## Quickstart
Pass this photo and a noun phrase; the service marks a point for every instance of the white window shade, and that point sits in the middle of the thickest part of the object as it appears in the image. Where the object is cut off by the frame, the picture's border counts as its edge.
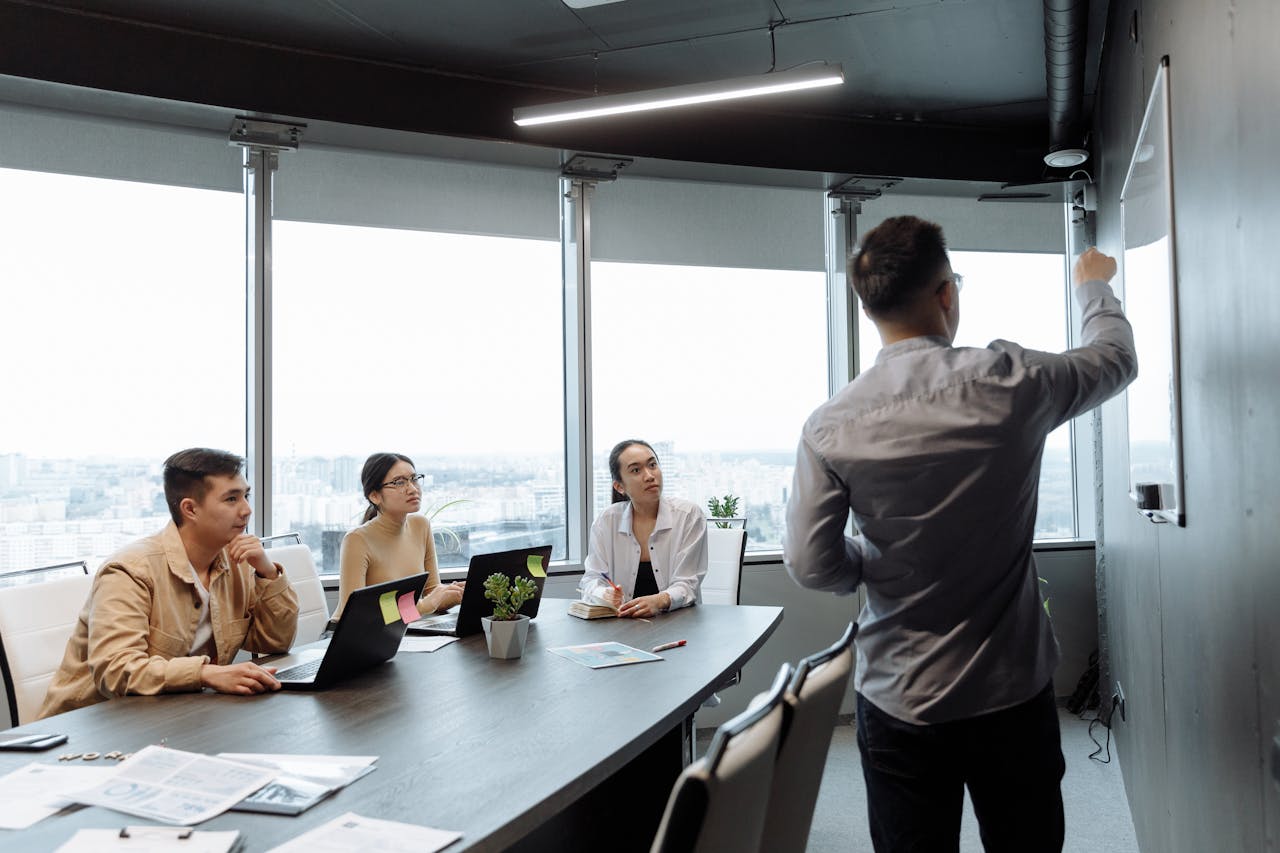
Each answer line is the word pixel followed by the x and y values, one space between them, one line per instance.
pixel 40 140
pixel 637 220
pixel 345 187
pixel 977 226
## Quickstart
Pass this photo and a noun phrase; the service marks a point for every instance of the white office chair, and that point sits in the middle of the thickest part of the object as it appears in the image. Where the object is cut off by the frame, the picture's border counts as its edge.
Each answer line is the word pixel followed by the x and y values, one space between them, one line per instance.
pixel 726 549
pixel 718 803
pixel 44 574
pixel 36 621
pixel 812 703
pixel 313 610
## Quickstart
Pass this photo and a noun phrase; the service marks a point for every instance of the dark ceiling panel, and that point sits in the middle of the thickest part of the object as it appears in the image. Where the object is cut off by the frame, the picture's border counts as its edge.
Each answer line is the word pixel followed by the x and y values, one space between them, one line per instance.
pixel 973 69
pixel 640 22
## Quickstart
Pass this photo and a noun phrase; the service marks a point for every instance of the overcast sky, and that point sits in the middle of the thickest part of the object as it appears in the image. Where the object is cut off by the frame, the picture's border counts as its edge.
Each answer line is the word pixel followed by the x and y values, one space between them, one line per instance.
pixel 123 333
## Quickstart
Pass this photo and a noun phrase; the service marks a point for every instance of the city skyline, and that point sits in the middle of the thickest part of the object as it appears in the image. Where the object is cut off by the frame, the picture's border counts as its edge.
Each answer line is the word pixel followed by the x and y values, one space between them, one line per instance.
pixel 52 510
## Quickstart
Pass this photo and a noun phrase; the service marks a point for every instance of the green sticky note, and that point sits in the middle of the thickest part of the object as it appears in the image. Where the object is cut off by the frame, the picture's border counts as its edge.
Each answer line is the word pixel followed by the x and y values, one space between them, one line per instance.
pixel 390 611
pixel 534 564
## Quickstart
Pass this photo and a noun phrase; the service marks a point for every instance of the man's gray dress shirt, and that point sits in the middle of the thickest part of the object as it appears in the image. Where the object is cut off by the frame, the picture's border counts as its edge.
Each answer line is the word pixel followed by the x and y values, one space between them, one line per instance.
pixel 936 450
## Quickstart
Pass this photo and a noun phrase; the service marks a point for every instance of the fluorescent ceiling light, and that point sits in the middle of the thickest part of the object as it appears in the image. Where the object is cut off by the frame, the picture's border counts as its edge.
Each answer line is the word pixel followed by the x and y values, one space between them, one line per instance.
pixel 806 77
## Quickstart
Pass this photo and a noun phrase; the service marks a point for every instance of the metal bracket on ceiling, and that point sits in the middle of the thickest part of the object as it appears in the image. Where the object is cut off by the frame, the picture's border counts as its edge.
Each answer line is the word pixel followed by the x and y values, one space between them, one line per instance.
pixel 594 167
pixel 265 134
pixel 852 192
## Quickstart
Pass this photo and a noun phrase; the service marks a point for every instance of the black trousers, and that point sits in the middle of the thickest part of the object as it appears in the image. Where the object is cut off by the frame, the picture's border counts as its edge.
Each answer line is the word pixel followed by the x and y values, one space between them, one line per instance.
pixel 1010 760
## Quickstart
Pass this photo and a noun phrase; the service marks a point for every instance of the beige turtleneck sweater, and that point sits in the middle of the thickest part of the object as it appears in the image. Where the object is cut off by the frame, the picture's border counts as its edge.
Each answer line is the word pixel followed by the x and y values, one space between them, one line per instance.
pixel 381 550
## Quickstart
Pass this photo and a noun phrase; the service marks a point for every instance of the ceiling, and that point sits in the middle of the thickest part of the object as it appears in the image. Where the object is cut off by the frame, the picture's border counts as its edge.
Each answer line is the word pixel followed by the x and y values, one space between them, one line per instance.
pixel 934 88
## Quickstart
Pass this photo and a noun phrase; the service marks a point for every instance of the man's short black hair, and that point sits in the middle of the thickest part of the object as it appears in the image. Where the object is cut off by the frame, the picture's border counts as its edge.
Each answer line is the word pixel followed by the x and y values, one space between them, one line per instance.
pixel 899 258
pixel 184 474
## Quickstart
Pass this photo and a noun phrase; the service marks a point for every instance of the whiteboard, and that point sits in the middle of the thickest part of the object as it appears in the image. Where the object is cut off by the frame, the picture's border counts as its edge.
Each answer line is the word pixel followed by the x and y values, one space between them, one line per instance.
pixel 1150 296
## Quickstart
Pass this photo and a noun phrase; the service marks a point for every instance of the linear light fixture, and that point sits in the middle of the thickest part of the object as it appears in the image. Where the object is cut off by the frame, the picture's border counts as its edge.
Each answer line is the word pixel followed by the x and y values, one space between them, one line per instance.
pixel 805 77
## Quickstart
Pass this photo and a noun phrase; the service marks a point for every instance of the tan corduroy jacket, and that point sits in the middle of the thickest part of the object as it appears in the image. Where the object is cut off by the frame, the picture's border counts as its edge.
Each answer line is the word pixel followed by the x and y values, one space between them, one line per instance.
pixel 135 632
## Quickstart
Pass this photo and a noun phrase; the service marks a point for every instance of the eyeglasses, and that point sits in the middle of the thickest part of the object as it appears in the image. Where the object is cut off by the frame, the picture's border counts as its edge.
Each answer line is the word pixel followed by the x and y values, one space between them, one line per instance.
pixel 402 482
pixel 959 280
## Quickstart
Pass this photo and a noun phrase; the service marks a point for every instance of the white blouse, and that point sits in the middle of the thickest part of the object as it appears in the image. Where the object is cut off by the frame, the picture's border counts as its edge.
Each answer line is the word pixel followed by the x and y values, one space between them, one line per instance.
pixel 677 550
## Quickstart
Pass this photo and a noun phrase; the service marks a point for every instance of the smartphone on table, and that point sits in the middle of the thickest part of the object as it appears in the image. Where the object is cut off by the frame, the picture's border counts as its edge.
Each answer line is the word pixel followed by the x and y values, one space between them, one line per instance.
pixel 30 742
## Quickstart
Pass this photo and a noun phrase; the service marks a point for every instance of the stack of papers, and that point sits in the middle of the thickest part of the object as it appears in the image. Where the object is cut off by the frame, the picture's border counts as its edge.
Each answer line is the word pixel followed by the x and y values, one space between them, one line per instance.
pixel 34 792
pixel 301 780
pixel 173 786
pixel 584 610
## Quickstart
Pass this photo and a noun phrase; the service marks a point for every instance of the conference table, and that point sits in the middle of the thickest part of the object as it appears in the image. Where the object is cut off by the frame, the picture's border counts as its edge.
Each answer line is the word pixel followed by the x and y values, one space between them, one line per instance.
pixel 536 753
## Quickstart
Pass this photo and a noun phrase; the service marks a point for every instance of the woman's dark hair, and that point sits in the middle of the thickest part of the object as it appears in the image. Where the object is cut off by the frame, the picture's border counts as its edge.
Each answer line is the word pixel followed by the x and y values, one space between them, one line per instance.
pixel 374 474
pixel 615 468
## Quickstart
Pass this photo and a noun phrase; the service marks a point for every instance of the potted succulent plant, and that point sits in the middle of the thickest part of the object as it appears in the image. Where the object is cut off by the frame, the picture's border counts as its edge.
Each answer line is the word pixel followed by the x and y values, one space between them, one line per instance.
pixel 506 630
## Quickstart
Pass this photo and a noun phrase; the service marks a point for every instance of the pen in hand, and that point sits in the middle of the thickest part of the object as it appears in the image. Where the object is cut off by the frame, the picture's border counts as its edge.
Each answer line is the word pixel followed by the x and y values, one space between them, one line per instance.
pixel 673 645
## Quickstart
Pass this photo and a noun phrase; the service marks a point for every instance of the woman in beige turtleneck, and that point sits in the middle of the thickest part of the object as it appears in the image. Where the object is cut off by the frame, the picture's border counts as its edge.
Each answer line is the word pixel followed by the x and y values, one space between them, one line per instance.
pixel 394 541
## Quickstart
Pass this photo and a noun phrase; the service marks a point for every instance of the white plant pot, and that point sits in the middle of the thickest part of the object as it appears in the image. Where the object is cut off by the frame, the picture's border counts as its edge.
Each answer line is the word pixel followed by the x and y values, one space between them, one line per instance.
pixel 506 639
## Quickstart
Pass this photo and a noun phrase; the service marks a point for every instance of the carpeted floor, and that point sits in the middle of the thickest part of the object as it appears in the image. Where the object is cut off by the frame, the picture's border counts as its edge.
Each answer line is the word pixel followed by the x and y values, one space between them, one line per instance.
pixel 1093 797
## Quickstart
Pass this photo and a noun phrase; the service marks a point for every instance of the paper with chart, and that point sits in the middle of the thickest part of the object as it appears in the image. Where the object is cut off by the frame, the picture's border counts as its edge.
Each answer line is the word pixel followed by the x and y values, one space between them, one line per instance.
pixel 173 786
pixel 601 655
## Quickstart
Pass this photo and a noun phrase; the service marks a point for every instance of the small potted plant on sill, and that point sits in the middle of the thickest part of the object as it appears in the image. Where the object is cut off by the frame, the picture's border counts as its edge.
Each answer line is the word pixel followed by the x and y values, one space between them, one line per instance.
pixel 727 508
pixel 507 630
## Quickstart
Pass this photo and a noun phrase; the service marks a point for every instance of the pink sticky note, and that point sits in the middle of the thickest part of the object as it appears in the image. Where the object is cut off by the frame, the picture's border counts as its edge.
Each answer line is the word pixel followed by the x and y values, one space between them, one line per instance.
pixel 408 610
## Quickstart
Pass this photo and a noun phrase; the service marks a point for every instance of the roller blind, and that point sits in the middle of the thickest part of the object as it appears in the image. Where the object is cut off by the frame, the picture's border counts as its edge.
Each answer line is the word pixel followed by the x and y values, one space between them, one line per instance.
pixel 41 140
pixel 641 220
pixel 972 225
pixel 348 187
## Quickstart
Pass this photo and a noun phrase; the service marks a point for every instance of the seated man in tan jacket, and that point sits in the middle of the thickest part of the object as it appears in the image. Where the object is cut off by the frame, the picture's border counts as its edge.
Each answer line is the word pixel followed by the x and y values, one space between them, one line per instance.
pixel 168 613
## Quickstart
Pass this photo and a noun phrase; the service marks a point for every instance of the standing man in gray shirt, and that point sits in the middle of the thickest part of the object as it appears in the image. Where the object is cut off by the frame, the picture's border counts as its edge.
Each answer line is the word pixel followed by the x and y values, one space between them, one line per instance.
pixel 936 451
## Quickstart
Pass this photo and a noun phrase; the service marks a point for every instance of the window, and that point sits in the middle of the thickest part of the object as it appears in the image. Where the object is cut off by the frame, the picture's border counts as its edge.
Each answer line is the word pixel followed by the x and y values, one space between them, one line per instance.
pixel 709 338
pixel 123 338
pixel 404 337
pixel 1019 297
pixel 717 369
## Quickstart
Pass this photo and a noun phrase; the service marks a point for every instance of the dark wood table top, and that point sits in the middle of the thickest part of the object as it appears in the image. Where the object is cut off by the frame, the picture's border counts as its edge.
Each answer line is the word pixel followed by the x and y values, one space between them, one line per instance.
pixel 489 748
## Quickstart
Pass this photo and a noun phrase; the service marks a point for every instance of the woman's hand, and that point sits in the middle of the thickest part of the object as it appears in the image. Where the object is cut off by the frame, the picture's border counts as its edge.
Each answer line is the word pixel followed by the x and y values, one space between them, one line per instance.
pixel 442 598
pixel 645 605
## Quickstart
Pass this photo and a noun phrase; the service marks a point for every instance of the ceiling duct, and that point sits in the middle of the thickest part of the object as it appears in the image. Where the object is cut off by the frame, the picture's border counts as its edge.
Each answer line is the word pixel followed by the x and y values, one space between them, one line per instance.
pixel 1066 31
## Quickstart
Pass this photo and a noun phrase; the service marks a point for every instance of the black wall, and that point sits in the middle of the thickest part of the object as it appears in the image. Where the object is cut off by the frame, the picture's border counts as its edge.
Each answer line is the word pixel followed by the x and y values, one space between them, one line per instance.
pixel 1191 614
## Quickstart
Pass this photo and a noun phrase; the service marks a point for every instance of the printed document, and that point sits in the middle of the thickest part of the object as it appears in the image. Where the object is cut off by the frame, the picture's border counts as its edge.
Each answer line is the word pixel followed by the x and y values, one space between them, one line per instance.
pixel 353 832
pixel 173 786
pixel 34 792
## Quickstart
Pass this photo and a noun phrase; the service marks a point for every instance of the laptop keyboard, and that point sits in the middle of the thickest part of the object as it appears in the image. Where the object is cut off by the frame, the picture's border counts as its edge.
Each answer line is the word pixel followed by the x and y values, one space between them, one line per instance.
pixel 437 623
pixel 301 672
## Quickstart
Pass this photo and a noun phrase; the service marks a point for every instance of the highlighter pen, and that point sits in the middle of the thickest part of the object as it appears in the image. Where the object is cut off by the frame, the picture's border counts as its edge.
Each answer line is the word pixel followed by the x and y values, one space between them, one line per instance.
pixel 662 648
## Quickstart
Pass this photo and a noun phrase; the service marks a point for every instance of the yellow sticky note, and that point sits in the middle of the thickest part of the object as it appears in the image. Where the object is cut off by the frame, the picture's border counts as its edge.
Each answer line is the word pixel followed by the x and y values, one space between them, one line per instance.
pixel 534 564
pixel 390 612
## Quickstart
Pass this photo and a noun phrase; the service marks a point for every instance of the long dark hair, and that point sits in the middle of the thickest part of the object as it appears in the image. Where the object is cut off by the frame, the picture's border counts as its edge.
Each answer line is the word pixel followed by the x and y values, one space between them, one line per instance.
pixel 374 474
pixel 615 467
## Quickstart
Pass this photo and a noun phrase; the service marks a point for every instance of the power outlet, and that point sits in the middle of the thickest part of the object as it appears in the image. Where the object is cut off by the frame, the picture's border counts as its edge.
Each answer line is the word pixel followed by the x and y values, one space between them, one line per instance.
pixel 1117 703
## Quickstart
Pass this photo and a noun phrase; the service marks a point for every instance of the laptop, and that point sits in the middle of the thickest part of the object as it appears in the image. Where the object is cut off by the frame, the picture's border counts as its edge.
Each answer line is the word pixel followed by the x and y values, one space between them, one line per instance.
pixel 368 634
pixel 466 620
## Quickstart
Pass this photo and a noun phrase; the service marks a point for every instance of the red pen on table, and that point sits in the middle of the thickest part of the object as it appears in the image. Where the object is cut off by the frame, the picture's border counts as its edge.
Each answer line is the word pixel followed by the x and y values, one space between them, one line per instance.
pixel 673 645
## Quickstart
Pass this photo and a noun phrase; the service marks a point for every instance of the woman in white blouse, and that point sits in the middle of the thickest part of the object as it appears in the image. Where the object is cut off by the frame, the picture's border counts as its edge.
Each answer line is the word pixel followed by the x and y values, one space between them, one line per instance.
pixel 648 552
